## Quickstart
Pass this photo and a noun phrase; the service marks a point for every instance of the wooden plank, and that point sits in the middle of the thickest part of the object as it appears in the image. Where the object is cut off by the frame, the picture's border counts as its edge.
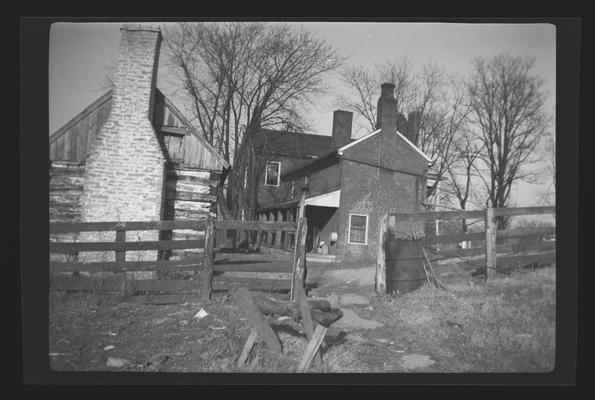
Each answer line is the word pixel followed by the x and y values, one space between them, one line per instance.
pixel 299 259
pixel 279 233
pixel 312 348
pixel 287 241
pixel 260 234
pixel 172 130
pixel 256 225
pixel 254 267
pixel 255 318
pixel 454 238
pixel 508 233
pixel 56 227
pixel 526 247
pixel 122 266
pixel 114 284
pixel 222 283
pixel 524 211
pixel 475 251
pixel 380 277
pixel 304 309
pixel 434 215
pixel 126 246
pixel 526 258
pixel 207 276
pixel 247 348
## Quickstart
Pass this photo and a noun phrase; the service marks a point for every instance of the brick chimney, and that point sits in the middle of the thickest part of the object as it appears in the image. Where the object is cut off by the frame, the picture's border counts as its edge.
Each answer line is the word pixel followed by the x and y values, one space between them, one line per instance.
pixel 342 122
pixel 402 124
pixel 387 108
pixel 413 126
pixel 125 165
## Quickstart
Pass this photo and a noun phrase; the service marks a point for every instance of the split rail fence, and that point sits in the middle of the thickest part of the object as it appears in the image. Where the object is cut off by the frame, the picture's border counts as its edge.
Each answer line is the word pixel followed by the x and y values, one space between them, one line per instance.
pixel 493 245
pixel 211 272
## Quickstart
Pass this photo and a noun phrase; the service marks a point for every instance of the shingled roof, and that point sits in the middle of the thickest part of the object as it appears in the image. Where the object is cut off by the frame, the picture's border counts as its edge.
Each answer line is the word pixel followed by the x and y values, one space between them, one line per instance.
pixel 292 143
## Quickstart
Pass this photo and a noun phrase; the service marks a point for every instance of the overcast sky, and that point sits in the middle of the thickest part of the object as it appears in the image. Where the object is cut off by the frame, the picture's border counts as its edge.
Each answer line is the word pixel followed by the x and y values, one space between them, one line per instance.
pixel 80 54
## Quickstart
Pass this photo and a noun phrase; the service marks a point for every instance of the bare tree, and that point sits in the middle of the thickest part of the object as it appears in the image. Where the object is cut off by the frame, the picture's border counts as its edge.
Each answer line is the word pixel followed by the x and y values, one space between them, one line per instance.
pixel 245 76
pixel 508 118
pixel 462 173
pixel 547 194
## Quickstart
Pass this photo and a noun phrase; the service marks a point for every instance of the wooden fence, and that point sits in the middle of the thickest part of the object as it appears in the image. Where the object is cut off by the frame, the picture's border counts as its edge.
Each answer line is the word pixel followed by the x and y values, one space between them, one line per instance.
pixel 495 249
pixel 212 273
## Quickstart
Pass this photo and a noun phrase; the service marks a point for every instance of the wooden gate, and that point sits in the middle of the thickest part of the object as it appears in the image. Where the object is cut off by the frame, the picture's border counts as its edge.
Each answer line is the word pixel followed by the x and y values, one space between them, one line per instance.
pixel 205 274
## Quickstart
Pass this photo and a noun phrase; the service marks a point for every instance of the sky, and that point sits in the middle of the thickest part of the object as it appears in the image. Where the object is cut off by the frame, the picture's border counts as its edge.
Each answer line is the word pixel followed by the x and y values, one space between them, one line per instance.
pixel 81 54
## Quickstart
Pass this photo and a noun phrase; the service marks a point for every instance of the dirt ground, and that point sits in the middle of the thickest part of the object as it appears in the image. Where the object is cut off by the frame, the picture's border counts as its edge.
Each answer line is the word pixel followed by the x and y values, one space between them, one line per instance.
pixel 428 330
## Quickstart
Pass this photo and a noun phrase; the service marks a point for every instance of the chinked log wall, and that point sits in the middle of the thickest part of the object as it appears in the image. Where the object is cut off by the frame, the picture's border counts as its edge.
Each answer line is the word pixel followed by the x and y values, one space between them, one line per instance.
pixel 190 193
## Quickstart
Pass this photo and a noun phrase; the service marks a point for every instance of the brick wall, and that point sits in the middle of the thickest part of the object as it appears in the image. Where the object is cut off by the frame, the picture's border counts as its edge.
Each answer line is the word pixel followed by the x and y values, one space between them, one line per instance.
pixel 373 192
pixel 125 165
pixel 271 195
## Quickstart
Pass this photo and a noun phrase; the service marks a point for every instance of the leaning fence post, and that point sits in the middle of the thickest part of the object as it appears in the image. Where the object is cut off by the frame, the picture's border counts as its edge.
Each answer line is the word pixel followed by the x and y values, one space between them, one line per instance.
pixel 490 228
pixel 207 282
pixel 381 261
pixel 299 257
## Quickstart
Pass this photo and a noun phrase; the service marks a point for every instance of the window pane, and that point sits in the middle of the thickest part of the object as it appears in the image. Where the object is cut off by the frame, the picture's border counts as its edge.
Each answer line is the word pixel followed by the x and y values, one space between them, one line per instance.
pixel 272 177
pixel 357 234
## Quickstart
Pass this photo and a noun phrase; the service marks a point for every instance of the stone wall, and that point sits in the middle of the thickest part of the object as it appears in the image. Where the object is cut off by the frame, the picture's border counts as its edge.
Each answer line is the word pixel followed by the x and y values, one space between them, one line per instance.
pixel 125 164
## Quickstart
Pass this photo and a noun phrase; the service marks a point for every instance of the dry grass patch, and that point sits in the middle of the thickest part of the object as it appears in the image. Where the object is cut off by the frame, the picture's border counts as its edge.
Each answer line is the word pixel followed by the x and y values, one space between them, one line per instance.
pixel 507 325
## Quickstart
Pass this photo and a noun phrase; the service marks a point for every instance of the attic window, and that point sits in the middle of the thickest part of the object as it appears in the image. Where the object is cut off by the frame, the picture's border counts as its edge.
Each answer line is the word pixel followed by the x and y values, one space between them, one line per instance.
pixel 272 173
pixel 358 229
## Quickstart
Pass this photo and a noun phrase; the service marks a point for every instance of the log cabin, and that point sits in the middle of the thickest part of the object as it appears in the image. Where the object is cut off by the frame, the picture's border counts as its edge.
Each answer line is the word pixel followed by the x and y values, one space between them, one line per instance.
pixel 132 155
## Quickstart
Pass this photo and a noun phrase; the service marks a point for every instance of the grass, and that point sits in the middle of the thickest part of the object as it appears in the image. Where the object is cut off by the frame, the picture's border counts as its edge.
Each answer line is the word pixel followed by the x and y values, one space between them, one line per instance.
pixel 506 325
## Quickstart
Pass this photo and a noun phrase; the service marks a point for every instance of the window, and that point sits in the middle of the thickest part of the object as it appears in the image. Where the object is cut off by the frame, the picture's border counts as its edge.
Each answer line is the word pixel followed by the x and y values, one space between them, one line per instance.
pixel 358 229
pixel 272 173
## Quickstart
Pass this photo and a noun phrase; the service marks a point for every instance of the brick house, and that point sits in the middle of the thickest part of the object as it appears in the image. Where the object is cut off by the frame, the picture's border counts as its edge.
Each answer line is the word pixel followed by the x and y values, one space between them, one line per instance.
pixel 349 183
pixel 131 155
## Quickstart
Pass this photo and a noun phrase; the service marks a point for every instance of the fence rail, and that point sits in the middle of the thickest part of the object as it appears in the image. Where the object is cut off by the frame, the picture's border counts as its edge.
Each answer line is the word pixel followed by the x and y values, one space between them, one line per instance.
pixel 205 264
pixel 496 254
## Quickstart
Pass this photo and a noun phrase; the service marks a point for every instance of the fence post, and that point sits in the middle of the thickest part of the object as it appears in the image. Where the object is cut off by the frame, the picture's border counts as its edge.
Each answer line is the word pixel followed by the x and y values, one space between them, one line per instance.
pixel 207 282
pixel 299 257
pixel 490 228
pixel 120 238
pixel 381 260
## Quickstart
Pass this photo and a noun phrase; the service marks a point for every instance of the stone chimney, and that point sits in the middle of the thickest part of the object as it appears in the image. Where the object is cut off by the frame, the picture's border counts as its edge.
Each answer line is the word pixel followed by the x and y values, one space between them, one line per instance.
pixel 387 108
pixel 342 122
pixel 402 124
pixel 413 126
pixel 125 166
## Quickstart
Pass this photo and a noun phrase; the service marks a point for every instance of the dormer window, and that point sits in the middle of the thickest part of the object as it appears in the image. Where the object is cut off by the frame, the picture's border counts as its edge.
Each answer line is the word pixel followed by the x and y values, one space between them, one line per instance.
pixel 272 173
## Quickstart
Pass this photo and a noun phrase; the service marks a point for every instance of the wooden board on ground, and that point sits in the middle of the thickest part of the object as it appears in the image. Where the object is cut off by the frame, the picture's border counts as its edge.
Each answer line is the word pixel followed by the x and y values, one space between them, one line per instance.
pixel 247 347
pixel 312 348
pixel 244 301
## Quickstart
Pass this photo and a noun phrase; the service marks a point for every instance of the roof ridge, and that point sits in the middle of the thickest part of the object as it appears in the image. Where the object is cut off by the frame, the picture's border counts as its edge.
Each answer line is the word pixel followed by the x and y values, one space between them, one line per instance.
pixel 293 133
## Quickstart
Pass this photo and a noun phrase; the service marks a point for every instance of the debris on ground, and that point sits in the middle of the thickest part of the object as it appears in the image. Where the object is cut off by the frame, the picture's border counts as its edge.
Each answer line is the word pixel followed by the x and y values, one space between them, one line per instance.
pixel 117 362
pixel 201 314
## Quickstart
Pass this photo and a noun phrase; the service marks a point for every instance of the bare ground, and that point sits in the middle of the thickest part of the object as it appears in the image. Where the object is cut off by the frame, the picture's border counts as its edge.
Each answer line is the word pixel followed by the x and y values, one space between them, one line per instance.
pixel 506 325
